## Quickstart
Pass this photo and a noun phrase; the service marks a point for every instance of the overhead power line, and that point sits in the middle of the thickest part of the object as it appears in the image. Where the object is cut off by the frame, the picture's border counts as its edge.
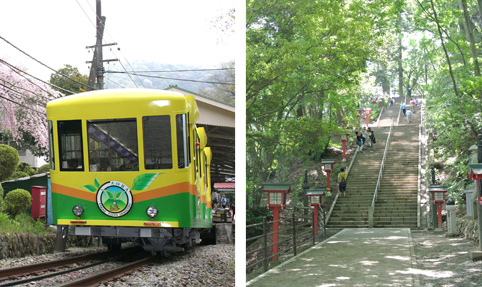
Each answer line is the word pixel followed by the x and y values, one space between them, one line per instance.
pixel 167 78
pixel 57 72
pixel 187 70
pixel 10 100
pixel 15 69
pixel 40 104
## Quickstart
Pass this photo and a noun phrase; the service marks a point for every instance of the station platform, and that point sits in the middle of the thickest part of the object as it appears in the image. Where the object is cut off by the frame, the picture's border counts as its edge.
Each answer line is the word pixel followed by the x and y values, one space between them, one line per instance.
pixel 352 257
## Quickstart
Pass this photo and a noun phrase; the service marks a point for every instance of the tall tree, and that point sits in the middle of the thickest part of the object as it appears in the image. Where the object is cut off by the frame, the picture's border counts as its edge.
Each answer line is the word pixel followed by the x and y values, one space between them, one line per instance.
pixel 69 79
pixel 304 65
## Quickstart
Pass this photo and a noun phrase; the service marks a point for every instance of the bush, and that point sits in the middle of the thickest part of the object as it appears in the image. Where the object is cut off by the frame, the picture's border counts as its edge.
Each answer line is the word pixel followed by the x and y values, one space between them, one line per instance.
pixel 8 161
pixel 17 201
pixel 43 169
pixel 18 174
pixel 22 224
pixel 25 167
pixel 1 192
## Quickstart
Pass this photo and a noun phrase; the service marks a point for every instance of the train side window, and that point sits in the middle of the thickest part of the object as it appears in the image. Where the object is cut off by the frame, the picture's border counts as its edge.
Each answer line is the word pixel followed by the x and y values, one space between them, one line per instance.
pixel 70 145
pixel 206 177
pixel 51 146
pixel 196 152
pixel 113 145
pixel 182 133
pixel 157 142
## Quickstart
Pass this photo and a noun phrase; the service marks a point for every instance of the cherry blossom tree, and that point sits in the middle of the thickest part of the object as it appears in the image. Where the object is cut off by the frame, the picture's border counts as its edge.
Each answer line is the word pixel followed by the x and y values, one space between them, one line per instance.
pixel 23 101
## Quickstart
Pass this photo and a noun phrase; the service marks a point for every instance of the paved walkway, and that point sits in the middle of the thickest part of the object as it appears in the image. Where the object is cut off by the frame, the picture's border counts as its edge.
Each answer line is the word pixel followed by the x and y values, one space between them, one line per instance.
pixel 352 257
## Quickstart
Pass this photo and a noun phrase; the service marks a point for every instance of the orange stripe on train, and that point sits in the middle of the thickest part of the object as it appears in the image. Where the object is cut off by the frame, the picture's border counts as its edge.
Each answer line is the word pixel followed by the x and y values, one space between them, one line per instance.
pixel 73 192
pixel 142 196
pixel 165 191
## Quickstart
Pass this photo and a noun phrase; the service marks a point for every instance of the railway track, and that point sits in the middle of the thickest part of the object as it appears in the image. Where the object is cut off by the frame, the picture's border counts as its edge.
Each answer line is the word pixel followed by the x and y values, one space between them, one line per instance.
pixel 45 270
pixel 108 275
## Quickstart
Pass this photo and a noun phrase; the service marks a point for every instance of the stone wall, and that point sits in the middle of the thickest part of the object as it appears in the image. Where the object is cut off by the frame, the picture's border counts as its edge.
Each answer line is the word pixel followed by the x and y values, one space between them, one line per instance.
pixel 20 245
pixel 468 228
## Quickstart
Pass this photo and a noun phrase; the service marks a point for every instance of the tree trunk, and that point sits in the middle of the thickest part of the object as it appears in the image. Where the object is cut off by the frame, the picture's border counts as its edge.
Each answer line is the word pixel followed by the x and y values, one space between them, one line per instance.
pixel 445 49
pixel 470 35
pixel 400 50
pixel 479 6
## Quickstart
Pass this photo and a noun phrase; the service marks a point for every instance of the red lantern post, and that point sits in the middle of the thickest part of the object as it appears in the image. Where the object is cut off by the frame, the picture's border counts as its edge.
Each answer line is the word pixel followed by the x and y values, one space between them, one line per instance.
pixel 438 197
pixel 277 193
pixel 328 166
pixel 476 174
pixel 344 140
pixel 315 201
pixel 367 113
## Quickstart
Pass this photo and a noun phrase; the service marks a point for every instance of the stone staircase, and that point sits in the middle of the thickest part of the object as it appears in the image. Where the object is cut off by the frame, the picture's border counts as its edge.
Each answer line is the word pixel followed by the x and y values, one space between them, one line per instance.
pixel 397 199
pixel 396 204
pixel 352 211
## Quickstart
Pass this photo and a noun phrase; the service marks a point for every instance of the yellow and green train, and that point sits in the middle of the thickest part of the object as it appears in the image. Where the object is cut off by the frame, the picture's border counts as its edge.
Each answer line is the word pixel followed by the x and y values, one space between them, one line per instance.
pixel 130 163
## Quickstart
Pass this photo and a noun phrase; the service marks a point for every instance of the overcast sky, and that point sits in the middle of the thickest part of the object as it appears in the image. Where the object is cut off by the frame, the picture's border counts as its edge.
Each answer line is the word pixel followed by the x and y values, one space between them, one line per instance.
pixel 56 32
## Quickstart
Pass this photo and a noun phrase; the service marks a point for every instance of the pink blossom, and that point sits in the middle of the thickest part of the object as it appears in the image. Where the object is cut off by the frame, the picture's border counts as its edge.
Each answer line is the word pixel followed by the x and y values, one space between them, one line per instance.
pixel 23 107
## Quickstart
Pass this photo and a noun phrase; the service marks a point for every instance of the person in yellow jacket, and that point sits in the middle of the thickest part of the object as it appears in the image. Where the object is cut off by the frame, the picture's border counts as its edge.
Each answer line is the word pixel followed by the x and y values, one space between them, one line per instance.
pixel 342 182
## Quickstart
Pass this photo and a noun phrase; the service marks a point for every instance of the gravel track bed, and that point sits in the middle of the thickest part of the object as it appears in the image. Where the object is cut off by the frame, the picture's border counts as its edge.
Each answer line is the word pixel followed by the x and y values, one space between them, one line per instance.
pixel 445 261
pixel 71 252
pixel 211 265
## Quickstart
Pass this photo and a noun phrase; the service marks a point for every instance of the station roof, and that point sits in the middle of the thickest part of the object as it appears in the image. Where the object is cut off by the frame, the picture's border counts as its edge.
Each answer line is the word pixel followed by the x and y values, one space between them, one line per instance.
pixel 218 119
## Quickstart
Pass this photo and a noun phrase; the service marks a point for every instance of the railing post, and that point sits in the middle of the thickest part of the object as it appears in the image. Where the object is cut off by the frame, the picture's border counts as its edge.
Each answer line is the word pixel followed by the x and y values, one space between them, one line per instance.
pixel 315 225
pixel 294 231
pixel 370 216
pixel 324 221
pixel 265 235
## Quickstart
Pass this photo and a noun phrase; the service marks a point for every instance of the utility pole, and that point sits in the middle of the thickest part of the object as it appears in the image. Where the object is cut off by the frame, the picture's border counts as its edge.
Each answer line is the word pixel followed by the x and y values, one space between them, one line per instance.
pixel 97 69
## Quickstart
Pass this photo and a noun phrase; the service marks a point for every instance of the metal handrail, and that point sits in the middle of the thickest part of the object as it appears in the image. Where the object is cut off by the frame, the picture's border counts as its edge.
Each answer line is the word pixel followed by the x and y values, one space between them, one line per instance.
pixel 338 194
pixel 372 207
pixel 296 233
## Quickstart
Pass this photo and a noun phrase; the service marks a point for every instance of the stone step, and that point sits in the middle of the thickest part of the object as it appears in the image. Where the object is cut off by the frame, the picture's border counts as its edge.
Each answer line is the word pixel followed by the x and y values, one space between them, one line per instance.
pixel 393 219
pixel 395 210
pixel 347 224
pixel 389 187
pixel 398 225
pixel 395 206
pixel 353 207
pixel 397 199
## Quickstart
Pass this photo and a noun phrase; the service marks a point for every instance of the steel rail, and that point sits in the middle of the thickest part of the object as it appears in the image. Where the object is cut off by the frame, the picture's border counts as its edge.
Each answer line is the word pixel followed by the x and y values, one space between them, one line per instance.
pixel 54 274
pixel 108 275
pixel 6 274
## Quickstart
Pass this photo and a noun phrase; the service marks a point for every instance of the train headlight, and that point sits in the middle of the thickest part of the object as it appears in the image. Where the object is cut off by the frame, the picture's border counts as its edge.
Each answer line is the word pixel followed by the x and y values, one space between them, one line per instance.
pixel 152 211
pixel 77 210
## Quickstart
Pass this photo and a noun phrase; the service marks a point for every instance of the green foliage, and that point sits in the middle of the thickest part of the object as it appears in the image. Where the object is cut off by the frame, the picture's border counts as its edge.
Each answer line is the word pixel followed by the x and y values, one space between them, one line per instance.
pixel 22 223
pixel 16 201
pixel 69 85
pixel 305 61
pixel 43 169
pixel 26 168
pixel 1 193
pixel 18 174
pixel 255 214
pixel 8 161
